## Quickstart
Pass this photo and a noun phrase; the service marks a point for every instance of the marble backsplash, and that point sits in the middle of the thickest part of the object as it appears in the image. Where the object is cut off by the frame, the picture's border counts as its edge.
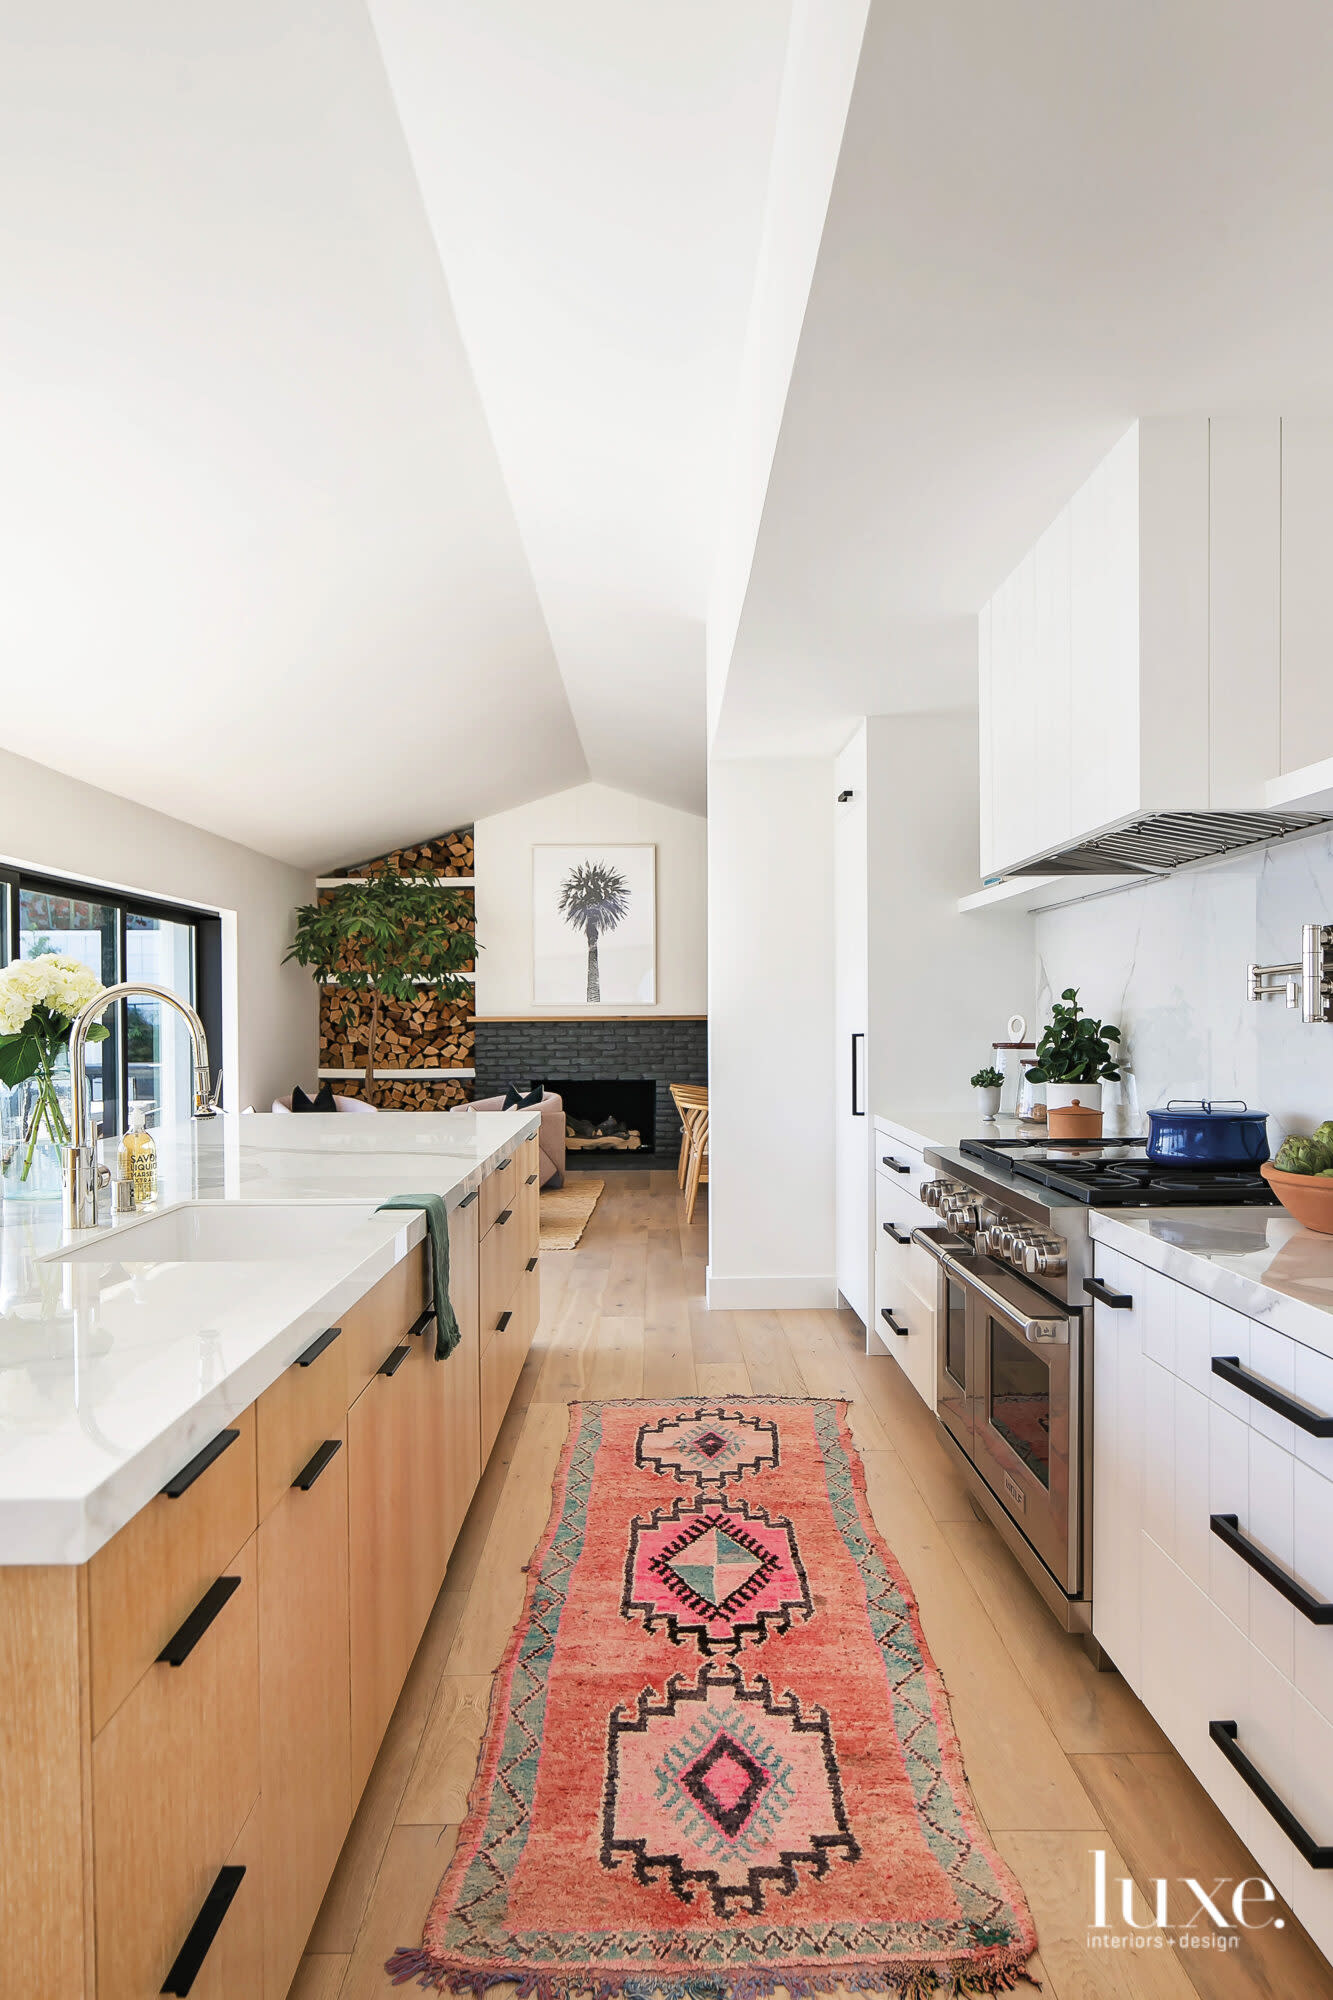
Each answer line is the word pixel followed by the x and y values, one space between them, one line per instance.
pixel 1166 961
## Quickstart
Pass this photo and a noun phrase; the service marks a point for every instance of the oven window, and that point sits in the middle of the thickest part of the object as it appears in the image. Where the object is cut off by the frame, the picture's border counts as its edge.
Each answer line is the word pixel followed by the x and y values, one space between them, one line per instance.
pixel 955 1333
pixel 1020 1399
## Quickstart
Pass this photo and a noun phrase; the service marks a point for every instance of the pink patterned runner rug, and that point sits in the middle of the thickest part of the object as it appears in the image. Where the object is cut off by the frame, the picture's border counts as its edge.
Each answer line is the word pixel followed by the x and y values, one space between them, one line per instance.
pixel 719 1759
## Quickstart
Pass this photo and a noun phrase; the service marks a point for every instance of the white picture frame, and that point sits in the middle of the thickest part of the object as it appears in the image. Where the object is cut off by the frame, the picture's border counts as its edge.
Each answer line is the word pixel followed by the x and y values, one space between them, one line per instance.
pixel 594 924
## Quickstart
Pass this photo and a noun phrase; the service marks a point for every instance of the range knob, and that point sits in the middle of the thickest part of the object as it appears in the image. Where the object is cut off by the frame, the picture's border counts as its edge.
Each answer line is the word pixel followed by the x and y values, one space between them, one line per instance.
pixel 959 1212
pixel 1013 1239
pixel 1046 1257
pixel 935 1193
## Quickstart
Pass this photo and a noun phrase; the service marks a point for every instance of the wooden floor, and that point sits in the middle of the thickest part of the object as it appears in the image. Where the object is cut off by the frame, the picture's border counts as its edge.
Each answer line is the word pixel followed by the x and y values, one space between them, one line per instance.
pixel 1061 1759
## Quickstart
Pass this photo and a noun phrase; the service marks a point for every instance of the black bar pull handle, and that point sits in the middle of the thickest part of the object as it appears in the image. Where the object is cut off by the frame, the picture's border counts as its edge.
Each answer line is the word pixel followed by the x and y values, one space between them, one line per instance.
pixel 1224 1736
pixel 421 1322
pixel 311 1470
pixel 500 1165
pixel 896 1234
pixel 317 1347
pixel 467 1198
pixel 1227 1529
pixel 504 1215
pixel 1305 1419
pixel 886 1314
pixel 531 1264
pixel 183 1642
pixel 185 1478
pixel 530 1179
pixel 858 1109
pixel 203 1930
pixel 393 1362
pixel 503 1321
pixel 1105 1296
pixel 895 1166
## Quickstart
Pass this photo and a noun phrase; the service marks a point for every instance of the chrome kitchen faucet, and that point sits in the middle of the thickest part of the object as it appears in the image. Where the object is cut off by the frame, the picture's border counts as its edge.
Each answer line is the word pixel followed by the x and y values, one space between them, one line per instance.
pixel 82 1175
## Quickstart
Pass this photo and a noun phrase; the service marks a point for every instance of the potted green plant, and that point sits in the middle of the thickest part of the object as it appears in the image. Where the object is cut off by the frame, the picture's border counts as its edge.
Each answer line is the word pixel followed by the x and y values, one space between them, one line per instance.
pixel 386 936
pixel 988 1084
pixel 1074 1057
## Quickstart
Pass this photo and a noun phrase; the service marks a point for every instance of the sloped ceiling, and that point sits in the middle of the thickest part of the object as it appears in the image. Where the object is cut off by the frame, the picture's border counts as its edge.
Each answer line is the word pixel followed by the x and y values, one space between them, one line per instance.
pixel 362 429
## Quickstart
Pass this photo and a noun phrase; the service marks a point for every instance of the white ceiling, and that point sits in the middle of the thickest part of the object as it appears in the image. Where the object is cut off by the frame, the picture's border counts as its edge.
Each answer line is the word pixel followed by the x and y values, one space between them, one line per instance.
pixel 1049 217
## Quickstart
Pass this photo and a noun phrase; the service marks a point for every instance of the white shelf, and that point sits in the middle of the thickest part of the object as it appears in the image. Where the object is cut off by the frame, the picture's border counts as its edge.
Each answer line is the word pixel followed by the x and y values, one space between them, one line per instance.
pixel 415 982
pixel 1306 790
pixel 358 1075
pixel 417 881
pixel 1038 892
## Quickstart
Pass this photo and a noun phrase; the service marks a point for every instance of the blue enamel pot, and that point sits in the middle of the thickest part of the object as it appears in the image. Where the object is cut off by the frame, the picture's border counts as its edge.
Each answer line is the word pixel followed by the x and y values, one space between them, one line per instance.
pixel 1182 1133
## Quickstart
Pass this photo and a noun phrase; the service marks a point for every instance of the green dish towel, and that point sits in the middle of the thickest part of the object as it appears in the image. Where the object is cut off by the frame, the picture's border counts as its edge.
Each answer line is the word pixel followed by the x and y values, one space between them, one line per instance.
pixel 447 1335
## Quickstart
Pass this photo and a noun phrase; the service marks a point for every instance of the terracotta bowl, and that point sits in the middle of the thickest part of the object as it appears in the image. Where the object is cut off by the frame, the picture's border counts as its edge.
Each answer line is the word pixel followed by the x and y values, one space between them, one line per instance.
pixel 1309 1197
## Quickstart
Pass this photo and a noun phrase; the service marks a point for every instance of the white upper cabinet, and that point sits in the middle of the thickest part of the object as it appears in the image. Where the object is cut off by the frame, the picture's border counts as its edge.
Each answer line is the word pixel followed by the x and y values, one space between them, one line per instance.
pixel 1163 646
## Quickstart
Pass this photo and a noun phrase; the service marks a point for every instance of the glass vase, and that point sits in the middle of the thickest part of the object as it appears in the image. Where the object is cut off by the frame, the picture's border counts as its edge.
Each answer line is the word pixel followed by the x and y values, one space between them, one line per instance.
pixel 34 1131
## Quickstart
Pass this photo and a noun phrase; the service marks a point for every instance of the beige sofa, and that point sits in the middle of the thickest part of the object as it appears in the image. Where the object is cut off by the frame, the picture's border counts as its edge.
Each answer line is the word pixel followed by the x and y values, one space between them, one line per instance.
pixel 550 1137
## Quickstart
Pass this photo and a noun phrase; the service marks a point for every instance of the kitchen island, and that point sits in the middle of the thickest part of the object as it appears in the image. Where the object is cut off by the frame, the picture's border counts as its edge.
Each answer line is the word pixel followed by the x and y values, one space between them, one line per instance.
pixel 232 1470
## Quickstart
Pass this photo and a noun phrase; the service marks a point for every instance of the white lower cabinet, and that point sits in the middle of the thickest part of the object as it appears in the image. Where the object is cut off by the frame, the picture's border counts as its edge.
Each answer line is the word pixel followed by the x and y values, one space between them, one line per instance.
pixel 1197 1620
pixel 905 1275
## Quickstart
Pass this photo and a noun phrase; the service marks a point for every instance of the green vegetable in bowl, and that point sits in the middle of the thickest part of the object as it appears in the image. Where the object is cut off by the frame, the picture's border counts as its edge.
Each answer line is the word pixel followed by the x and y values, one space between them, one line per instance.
pixel 1307 1156
pixel 1323 1134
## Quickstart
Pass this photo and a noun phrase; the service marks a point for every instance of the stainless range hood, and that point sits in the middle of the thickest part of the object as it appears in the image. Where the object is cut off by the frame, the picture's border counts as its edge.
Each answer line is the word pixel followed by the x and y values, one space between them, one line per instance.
pixel 1159 842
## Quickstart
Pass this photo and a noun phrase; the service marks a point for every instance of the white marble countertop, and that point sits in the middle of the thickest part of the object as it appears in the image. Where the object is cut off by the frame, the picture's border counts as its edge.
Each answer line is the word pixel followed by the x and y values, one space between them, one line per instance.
pixel 115 1370
pixel 1260 1261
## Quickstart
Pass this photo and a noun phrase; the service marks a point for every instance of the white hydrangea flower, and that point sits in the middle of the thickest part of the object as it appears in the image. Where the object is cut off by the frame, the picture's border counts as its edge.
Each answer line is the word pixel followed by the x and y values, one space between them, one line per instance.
pixel 62 984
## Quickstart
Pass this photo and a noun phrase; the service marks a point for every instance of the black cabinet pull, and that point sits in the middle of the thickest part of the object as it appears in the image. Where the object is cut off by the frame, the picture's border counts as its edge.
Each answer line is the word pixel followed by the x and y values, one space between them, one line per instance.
pixel 858 1109
pixel 504 1215
pixel 421 1322
pixel 896 1234
pixel 531 1264
pixel 310 1472
pixel 886 1314
pixel 1095 1289
pixel 393 1362
pixel 1305 1419
pixel 895 1165
pixel 1227 1529
pixel 530 1179
pixel 183 1642
pixel 316 1347
pixel 185 1478
pixel 503 1321
pixel 468 1198
pixel 500 1165
pixel 1224 1736
pixel 203 1931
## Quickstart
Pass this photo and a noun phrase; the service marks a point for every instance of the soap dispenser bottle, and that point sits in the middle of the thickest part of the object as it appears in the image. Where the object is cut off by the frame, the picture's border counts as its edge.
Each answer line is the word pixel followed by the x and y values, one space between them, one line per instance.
pixel 137 1159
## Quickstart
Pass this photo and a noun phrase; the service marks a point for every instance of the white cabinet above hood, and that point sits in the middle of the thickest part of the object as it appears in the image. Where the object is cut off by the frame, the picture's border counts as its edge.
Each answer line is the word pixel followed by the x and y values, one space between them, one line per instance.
pixel 1158 661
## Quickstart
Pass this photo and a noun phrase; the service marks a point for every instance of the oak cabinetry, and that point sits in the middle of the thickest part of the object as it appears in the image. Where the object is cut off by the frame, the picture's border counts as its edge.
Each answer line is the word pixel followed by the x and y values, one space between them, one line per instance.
pixel 191 1716
pixel 498 1190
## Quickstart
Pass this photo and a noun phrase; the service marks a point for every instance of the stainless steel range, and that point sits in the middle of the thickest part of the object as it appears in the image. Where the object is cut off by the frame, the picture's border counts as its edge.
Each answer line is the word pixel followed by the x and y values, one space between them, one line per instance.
pixel 1014 1325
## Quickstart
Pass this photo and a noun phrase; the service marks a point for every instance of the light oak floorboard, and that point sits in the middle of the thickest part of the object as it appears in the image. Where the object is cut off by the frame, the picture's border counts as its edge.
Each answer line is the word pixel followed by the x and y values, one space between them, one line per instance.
pixel 1060 1760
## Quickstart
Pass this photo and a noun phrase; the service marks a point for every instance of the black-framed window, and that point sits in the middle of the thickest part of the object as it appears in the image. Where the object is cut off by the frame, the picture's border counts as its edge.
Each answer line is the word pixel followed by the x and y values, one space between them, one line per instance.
pixel 145 1061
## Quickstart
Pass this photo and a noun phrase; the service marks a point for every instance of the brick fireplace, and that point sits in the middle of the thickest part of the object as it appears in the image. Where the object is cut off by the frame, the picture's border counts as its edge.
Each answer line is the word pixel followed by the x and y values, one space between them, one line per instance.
pixel 662 1049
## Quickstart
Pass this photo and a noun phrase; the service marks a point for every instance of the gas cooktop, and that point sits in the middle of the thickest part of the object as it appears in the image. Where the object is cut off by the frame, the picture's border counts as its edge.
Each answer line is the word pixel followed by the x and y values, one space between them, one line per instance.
pixel 1110 1173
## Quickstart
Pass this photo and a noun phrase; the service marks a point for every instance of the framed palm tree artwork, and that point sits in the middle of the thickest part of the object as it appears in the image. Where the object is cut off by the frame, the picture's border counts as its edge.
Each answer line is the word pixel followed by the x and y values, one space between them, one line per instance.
pixel 594 925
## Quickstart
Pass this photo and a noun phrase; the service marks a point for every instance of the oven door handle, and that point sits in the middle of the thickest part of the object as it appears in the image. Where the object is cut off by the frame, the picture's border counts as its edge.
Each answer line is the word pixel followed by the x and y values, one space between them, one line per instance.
pixel 1042 1329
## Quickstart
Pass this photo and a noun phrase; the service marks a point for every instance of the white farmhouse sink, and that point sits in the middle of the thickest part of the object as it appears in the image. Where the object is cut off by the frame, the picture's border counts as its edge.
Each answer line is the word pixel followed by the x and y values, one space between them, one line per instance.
pixel 213 1232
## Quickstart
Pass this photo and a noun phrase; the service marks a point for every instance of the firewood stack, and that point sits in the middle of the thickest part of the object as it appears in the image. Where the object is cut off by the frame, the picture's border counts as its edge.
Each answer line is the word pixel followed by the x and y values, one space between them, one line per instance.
pixel 418 1093
pixel 447 854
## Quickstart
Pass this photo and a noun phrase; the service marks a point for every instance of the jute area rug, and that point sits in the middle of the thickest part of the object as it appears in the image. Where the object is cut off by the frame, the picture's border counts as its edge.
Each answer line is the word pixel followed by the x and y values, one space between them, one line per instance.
pixel 566 1212
pixel 719 1758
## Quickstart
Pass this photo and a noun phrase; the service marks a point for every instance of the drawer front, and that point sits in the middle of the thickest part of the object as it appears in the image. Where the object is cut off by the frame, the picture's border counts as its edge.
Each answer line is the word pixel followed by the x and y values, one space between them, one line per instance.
pixel 897 1214
pixel 914 1350
pixel 175 1774
pixel 150 1576
pixel 502 1362
pixel 498 1191
pixel 502 1261
pixel 306 1404
pixel 381 1319
pixel 891 1156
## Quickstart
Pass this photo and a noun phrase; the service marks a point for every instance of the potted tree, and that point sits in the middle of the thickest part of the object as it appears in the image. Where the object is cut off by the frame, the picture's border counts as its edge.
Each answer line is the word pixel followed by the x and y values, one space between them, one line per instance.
pixel 386 936
pixel 1074 1056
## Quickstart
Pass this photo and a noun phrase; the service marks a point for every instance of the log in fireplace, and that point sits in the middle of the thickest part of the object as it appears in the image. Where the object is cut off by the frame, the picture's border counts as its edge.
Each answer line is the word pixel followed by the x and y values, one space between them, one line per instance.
pixel 605 1115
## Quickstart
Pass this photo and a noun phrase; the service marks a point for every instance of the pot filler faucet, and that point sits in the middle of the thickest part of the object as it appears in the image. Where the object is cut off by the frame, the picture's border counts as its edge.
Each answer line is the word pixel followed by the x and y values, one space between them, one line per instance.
pixel 82 1174
pixel 1307 982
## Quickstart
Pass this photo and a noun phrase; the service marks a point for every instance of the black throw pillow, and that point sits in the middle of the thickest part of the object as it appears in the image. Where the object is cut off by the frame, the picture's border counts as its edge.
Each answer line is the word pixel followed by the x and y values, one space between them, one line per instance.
pixel 519 1100
pixel 322 1101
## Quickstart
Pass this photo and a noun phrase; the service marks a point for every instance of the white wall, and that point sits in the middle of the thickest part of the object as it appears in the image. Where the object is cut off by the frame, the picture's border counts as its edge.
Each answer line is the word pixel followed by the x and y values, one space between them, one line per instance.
pixel 270 1016
pixel 1166 962
pixel 504 844
pixel 770 1033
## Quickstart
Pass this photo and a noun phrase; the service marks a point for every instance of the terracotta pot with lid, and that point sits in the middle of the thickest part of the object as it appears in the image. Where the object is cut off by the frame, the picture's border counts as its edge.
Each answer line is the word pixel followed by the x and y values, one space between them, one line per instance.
pixel 1074 1121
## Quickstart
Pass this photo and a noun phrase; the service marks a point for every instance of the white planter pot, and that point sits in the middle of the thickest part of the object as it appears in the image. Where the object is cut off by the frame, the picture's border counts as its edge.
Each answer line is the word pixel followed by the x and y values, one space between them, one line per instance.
pixel 988 1101
pixel 1060 1095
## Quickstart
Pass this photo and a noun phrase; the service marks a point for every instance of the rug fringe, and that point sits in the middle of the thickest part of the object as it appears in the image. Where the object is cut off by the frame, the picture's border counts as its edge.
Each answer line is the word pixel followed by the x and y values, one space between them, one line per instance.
pixel 918 1982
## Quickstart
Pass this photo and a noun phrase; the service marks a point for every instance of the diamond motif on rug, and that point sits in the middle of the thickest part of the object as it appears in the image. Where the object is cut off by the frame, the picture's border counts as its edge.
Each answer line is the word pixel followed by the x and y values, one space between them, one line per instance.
pixel 720 1787
pixel 708 1446
pixel 715 1573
